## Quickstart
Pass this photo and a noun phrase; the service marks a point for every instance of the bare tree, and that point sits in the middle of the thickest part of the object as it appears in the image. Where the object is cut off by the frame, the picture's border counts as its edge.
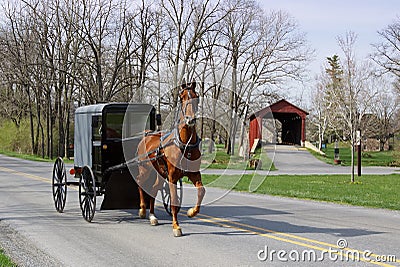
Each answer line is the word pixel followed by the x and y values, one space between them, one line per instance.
pixel 61 53
pixel 239 27
pixel 352 94
pixel 279 53
pixel 387 56
pixel 264 51
pixel 387 53
pixel 188 21
pixel 20 46
pixel 150 37
pixel 321 108
pixel 101 27
pixel 383 110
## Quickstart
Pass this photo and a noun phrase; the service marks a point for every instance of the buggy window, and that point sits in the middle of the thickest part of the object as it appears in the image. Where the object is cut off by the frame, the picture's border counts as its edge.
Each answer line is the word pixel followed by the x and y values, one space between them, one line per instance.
pixel 114 123
pixel 96 128
pixel 136 123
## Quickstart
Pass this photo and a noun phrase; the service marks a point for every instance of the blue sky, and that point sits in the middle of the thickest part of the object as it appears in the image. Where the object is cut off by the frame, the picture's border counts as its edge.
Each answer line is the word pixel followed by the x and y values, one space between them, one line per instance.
pixel 324 20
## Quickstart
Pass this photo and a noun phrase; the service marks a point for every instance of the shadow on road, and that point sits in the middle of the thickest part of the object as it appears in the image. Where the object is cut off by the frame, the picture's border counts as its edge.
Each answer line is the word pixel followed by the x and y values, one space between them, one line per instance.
pixel 242 220
pixel 253 219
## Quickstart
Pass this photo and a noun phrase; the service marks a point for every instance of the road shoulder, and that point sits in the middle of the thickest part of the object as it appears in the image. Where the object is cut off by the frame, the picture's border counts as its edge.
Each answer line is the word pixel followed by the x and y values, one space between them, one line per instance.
pixel 21 250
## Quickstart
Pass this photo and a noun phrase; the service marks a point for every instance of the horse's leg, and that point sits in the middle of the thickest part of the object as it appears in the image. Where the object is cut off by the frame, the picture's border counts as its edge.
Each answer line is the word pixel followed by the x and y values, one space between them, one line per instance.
pixel 153 219
pixel 195 178
pixel 141 178
pixel 142 210
pixel 158 183
pixel 174 207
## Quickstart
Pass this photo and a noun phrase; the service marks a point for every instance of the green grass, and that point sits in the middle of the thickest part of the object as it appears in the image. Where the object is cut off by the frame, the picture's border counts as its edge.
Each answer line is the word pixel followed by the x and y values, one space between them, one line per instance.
pixel 373 158
pixel 5 261
pixel 24 156
pixel 30 157
pixel 378 191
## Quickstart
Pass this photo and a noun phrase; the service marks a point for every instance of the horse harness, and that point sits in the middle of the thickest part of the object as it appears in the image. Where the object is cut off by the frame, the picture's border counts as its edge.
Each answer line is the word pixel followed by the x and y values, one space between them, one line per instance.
pixel 165 141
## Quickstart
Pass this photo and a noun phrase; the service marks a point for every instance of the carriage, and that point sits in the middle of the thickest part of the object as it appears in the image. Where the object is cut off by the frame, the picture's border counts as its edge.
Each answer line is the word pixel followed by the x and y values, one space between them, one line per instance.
pixel 106 137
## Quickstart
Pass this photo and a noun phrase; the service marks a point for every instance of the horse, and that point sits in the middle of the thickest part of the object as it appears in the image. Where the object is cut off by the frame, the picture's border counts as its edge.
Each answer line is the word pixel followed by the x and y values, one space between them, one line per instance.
pixel 172 156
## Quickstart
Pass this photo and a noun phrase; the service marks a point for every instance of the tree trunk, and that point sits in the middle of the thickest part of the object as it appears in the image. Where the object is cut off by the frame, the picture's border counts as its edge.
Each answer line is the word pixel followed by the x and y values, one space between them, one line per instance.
pixel 233 133
pixel 61 135
pixel 243 128
pixel 48 114
pixel 352 161
pixel 31 122
pixel 38 126
pixel 382 143
pixel 212 130
pixel 231 137
pixel 320 137
pixel 43 142
pixel 49 126
pixel 51 135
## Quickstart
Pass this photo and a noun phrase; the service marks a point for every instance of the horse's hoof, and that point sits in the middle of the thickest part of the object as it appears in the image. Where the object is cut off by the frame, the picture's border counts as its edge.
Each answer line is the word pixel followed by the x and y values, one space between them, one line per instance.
pixel 142 214
pixel 191 213
pixel 177 232
pixel 153 220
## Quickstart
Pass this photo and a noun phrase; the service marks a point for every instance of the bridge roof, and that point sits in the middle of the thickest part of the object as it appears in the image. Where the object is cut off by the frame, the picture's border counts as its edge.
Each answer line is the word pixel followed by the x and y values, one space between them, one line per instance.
pixel 281 107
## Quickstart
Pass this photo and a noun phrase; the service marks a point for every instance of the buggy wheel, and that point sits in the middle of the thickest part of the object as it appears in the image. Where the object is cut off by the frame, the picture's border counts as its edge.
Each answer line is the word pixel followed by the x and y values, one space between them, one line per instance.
pixel 87 194
pixel 166 196
pixel 59 184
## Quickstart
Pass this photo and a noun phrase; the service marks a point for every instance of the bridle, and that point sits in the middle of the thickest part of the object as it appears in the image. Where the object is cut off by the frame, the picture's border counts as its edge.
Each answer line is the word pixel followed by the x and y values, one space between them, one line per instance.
pixel 173 138
pixel 183 108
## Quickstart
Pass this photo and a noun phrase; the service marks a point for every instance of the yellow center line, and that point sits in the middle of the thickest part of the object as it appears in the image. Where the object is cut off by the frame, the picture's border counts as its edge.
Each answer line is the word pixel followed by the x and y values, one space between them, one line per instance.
pixel 273 235
pixel 343 255
pixel 35 177
pixel 280 236
pixel 287 235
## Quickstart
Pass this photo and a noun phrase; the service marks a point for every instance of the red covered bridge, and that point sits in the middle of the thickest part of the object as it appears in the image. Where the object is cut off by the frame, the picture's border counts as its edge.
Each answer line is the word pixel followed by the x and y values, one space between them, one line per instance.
pixel 292 119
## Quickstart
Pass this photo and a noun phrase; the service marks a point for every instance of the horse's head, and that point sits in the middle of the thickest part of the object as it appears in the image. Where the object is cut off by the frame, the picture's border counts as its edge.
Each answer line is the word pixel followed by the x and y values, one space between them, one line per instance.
pixel 189 103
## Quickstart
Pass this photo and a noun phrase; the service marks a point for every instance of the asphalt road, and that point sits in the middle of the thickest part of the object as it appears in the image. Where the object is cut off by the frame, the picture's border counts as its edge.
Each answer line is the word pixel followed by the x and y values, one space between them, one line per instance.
pixel 233 229
pixel 297 160
pixel 293 160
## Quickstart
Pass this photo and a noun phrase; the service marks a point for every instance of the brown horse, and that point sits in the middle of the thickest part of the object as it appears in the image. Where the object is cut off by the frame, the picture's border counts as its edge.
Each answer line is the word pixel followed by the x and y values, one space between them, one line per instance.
pixel 172 156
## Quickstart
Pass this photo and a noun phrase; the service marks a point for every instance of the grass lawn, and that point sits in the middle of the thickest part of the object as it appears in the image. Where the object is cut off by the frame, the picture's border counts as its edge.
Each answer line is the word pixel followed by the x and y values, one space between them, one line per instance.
pixel 379 191
pixel 373 158
pixel 5 261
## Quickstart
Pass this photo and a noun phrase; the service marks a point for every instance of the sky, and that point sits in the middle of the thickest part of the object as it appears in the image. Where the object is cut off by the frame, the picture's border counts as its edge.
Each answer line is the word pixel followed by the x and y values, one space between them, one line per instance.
pixel 324 20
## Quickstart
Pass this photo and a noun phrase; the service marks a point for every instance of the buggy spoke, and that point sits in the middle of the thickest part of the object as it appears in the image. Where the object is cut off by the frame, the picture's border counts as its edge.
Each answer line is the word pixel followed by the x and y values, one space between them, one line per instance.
pixel 59 202
pixel 84 200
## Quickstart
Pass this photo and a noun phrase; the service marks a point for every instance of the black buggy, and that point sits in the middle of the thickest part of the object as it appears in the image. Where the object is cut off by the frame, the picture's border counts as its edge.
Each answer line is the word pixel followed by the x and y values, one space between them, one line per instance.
pixel 101 163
